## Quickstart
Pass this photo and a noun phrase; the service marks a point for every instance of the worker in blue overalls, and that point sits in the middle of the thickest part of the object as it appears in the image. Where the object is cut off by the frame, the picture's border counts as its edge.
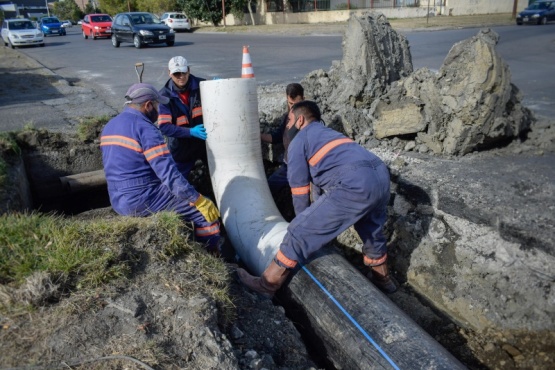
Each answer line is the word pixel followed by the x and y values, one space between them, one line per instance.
pixel 181 119
pixel 142 176
pixel 355 191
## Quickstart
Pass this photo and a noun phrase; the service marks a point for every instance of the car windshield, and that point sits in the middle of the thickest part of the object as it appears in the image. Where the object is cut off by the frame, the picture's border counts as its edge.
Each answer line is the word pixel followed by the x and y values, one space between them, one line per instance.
pixel 101 18
pixel 50 20
pixel 537 6
pixel 144 19
pixel 179 16
pixel 23 25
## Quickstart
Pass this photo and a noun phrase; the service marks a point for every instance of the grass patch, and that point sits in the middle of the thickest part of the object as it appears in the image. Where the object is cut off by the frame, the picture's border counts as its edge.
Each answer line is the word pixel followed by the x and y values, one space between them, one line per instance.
pixel 92 252
pixel 31 243
pixel 89 128
pixel 48 256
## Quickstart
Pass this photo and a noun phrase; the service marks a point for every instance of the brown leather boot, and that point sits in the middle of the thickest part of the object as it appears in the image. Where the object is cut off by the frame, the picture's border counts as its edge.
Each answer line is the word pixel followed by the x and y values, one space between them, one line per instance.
pixel 271 280
pixel 381 278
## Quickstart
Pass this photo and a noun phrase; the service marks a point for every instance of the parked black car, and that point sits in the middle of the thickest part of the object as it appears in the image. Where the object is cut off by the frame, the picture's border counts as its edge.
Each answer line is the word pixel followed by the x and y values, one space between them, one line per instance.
pixel 141 29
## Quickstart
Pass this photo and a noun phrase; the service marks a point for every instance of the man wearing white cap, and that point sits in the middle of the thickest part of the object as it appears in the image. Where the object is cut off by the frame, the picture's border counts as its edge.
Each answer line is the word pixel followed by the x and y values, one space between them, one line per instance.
pixel 181 118
pixel 142 176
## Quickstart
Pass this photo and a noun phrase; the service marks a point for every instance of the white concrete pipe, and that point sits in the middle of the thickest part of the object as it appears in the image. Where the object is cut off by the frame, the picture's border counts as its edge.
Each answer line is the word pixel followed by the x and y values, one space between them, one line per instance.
pixel 354 324
pixel 251 219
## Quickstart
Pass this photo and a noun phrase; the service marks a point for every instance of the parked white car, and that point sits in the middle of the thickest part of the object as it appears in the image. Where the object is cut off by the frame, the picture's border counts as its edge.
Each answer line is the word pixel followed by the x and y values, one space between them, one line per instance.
pixel 21 32
pixel 67 24
pixel 176 21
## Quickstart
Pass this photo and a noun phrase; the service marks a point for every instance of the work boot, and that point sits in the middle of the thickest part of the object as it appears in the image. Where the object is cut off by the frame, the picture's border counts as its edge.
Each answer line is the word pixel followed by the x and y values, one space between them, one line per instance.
pixel 267 284
pixel 381 278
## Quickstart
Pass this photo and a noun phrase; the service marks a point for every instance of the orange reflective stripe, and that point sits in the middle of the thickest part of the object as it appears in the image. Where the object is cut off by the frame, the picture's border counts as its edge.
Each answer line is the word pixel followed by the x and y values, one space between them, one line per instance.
pixel 197 112
pixel 156 152
pixel 375 262
pixel 286 261
pixel 164 119
pixel 182 120
pixel 325 149
pixel 301 190
pixel 207 231
pixel 120 141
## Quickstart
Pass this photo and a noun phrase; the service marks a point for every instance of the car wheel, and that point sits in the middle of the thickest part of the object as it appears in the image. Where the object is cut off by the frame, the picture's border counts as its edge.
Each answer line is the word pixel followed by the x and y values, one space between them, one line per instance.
pixel 42 45
pixel 519 23
pixel 94 37
pixel 115 41
pixel 137 41
pixel 11 45
pixel 543 20
pixel 170 43
pixel 5 43
pixel 85 35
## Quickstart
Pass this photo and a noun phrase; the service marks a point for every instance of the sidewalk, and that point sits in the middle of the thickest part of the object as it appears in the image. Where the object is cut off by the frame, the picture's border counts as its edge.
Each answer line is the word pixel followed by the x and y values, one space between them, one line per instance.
pixel 431 23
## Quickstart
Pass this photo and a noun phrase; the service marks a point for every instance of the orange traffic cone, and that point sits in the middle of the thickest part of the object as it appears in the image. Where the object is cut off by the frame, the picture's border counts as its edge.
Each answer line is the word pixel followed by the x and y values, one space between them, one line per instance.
pixel 246 71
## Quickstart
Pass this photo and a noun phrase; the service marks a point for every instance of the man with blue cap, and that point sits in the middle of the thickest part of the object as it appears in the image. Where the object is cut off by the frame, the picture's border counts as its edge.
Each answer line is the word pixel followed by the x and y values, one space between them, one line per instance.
pixel 142 176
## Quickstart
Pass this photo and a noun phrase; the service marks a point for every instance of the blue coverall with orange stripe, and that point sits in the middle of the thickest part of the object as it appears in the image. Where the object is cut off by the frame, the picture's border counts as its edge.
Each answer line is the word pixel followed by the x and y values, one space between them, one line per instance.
pixel 142 176
pixel 355 185
pixel 183 112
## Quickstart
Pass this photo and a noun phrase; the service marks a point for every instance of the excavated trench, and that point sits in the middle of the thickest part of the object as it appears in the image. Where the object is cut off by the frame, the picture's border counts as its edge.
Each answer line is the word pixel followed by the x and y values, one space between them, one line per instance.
pixel 48 158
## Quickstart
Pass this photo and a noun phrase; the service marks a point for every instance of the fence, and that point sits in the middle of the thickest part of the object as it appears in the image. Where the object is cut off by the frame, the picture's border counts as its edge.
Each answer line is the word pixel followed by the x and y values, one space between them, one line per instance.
pixel 297 6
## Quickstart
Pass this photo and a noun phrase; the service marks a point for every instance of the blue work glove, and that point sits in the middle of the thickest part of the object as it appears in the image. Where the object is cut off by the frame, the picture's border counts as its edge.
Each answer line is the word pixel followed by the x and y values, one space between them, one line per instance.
pixel 198 132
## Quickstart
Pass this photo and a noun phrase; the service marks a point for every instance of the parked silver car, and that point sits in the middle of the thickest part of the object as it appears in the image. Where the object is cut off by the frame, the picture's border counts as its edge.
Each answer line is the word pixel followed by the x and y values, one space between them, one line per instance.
pixel 21 32
pixel 176 21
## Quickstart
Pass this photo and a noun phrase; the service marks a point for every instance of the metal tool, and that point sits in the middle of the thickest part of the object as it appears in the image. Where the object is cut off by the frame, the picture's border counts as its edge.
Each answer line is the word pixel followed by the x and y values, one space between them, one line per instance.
pixel 139 74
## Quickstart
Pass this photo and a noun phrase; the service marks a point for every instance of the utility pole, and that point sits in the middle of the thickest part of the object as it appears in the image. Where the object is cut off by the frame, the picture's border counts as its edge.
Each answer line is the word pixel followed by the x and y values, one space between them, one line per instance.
pixel 515 7
pixel 223 10
pixel 47 9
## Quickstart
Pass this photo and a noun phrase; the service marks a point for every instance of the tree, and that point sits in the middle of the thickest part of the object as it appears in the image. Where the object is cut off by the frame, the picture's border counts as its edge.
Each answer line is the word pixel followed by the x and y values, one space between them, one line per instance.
pixel 204 10
pixel 156 6
pixel 117 6
pixel 211 10
pixel 67 9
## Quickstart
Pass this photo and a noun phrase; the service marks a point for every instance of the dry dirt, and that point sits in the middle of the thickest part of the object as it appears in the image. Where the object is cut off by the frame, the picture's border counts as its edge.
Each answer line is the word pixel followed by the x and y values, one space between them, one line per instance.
pixel 260 337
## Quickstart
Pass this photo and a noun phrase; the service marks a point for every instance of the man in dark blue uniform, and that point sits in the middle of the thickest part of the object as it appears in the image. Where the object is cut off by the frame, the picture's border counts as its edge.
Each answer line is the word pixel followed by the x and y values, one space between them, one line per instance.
pixel 277 181
pixel 355 191
pixel 181 118
pixel 142 176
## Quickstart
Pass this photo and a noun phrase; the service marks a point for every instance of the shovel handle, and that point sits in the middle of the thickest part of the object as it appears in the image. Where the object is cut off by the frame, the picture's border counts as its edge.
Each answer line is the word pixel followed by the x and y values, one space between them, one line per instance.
pixel 139 75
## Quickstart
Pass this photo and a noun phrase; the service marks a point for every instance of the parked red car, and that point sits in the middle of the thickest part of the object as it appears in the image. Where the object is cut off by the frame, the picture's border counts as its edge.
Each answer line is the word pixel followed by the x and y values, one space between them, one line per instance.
pixel 97 25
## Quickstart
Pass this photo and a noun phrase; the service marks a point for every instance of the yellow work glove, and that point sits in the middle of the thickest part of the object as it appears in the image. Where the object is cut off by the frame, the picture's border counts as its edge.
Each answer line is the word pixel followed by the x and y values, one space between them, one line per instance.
pixel 207 208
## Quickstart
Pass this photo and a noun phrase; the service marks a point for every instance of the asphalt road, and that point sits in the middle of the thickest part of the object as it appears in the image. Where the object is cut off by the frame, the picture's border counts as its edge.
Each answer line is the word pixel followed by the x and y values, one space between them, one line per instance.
pixel 528 50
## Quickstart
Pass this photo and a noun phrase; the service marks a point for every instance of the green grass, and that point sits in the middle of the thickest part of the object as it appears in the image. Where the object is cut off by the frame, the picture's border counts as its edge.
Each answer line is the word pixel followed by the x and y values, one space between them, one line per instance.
pixel 37 242
pixel 80 255
pixel 89 128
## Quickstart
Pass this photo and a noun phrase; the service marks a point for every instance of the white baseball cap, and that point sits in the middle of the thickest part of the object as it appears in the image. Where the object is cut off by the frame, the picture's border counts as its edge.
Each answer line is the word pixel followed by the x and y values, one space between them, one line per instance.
pixel 178 64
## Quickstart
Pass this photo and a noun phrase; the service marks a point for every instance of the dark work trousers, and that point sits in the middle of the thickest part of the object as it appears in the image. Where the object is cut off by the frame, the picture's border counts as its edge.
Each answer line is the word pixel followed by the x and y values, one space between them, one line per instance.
pixel 278 180
pixel 357 195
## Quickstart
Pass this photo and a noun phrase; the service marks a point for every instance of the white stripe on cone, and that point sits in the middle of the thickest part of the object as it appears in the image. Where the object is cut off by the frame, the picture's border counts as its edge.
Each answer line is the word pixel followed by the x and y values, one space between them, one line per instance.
pixel 246 71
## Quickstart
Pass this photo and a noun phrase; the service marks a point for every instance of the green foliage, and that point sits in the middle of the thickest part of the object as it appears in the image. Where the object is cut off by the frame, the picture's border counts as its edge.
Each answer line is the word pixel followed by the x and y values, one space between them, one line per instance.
pixel 156 6
pixel 153 6
pixel 204 10
pixel 117 6
pixel 238 8
pixel 67 9
pixel 90 9
pixel 345 6
pixel 89 128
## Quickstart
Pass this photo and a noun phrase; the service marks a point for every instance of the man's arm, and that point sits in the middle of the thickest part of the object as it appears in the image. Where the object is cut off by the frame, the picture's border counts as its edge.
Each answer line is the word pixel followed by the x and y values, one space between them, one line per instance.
pixel 298 174
pixel 166 126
